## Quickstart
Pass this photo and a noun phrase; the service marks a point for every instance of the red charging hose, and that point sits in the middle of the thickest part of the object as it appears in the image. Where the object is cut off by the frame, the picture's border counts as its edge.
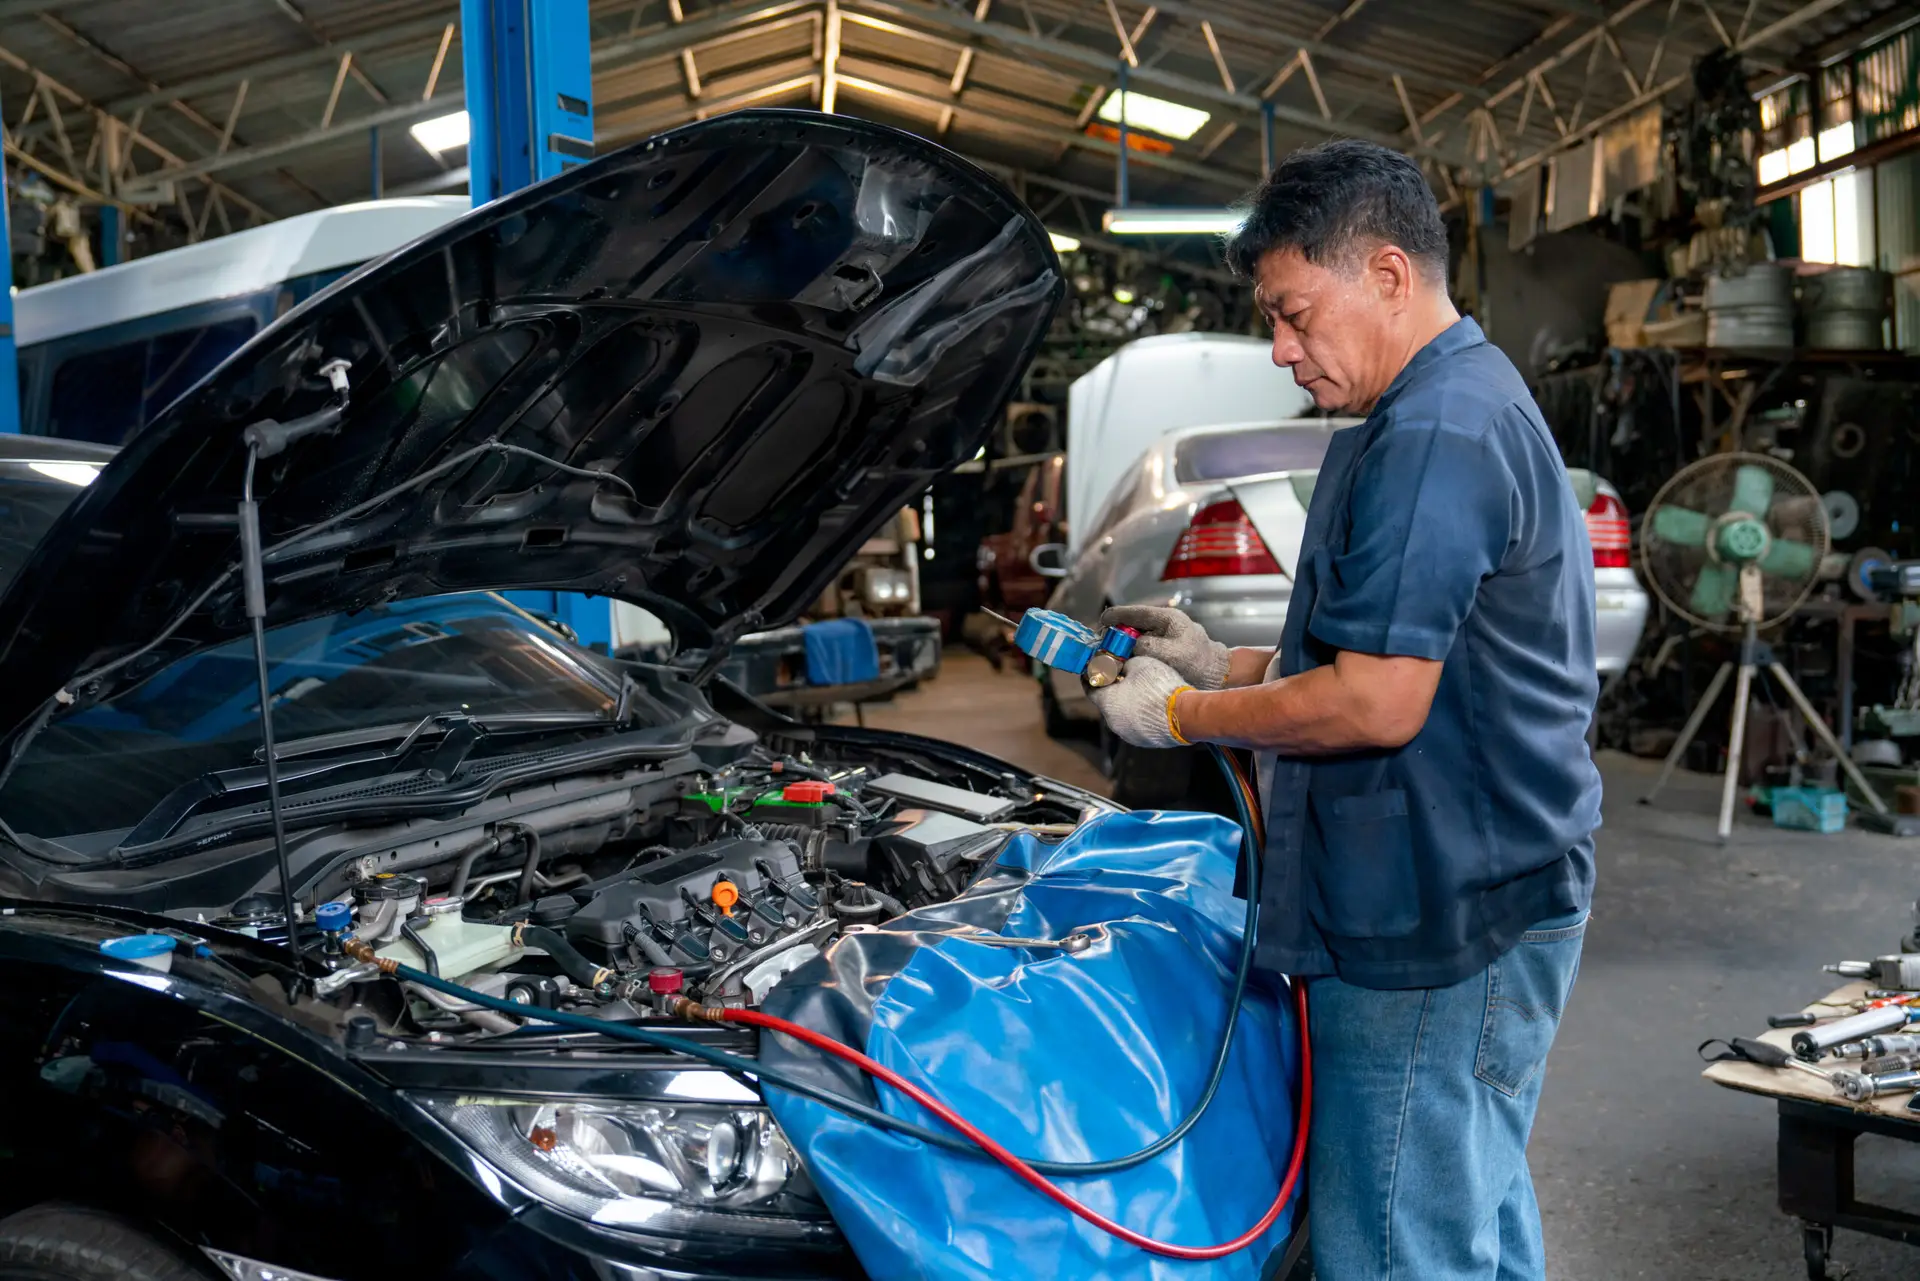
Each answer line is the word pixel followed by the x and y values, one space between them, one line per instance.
pixel 1039 1182
pixel 1032 1177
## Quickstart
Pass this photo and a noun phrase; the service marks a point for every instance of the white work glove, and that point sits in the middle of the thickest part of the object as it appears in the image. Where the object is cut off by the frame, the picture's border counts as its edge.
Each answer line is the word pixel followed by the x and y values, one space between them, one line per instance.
pixel 1139 706
pixel 1176 640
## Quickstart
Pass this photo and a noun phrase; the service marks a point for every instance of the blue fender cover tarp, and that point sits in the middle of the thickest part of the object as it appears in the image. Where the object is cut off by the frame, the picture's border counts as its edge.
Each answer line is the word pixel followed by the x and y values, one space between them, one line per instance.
pixel 1060 1056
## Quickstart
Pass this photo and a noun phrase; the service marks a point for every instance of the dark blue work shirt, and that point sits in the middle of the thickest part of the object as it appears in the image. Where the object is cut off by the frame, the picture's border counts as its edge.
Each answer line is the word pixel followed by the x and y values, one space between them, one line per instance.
pixel 1444 527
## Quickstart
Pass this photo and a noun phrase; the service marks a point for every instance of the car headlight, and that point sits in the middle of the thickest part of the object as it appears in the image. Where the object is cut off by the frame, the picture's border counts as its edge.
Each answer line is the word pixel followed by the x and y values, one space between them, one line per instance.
pixel 653 1167
pixel 882 585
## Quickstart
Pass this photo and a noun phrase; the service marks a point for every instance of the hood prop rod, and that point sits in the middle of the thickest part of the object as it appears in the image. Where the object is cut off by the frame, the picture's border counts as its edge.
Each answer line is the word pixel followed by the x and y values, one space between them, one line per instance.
pixel 263 440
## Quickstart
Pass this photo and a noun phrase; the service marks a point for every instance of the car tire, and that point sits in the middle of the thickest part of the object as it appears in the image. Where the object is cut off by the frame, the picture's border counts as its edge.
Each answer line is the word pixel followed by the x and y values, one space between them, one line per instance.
pixel 61 1242
pixel 1053 717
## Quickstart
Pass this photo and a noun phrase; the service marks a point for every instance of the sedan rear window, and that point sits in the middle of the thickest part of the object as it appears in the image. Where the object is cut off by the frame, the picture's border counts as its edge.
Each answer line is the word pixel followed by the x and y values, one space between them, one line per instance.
pixel 1229 454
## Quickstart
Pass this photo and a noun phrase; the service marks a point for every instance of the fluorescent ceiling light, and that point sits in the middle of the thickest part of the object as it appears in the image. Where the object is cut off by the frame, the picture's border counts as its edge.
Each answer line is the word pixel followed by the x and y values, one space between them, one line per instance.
pixel 67 473
pixel 443 133
pixel 1155 115
pixel 1171 222
pixel 1062 244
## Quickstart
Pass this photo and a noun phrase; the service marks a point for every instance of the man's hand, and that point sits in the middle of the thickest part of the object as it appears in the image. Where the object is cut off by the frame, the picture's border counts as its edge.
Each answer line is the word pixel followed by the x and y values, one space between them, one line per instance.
pixel 1176 640
pixel 1138 706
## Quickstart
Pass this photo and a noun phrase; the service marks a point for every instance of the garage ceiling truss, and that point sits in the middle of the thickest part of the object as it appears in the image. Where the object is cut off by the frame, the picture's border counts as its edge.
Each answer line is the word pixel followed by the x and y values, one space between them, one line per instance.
pixel 1017 82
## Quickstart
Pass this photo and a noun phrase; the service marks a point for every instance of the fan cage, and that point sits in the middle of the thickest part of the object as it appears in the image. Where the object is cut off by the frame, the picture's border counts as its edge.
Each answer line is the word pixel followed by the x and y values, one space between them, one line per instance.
pixel 1796 513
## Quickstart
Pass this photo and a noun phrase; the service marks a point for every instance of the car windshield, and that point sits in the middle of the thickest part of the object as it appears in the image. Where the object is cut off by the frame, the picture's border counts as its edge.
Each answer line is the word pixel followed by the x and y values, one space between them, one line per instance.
pixel 473 654
pixel 1224 455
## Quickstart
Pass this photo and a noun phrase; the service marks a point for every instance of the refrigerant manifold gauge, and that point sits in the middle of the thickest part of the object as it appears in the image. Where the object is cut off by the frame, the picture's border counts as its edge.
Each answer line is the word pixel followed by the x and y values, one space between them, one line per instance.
pixel 1069 646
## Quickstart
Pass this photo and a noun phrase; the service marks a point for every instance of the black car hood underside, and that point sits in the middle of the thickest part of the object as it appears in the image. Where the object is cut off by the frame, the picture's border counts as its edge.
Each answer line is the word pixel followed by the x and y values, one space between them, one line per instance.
pixel 774 329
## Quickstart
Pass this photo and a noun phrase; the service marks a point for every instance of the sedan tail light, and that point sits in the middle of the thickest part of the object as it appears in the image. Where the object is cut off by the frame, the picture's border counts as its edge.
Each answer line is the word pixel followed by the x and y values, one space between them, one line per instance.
pixel 1219 540
pixel 1607 531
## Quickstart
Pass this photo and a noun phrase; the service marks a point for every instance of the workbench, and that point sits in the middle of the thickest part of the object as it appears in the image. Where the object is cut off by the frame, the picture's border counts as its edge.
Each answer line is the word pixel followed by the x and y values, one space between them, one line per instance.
pixel 1817 1134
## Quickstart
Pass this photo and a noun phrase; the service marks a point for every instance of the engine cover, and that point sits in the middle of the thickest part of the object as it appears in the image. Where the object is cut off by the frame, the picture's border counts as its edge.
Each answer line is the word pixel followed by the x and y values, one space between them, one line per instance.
pixel 681 902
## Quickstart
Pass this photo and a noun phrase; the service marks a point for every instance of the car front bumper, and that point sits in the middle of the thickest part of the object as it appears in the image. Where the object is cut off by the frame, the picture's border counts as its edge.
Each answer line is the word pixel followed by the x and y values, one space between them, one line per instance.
pixel 540 1244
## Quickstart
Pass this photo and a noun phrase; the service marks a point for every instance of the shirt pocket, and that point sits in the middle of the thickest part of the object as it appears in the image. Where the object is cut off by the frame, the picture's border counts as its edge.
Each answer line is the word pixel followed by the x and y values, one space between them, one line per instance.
pixel 1366 875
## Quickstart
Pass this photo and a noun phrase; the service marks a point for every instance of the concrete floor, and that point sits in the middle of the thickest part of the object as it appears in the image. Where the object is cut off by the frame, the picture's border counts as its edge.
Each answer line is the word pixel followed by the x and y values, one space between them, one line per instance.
pixel 1643 1169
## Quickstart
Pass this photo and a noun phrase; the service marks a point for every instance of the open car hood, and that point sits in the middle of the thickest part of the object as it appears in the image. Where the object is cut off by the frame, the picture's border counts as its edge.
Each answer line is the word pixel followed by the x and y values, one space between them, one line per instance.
pixel 773 329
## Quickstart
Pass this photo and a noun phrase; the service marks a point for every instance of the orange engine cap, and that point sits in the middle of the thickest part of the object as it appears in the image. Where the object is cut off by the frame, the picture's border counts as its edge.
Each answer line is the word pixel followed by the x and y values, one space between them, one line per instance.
pixel 725 895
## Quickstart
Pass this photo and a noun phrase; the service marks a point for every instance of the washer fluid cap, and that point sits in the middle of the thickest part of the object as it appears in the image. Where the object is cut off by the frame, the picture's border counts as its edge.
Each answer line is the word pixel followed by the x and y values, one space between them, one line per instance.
pixel 809 792
pixel 155 951
pixel 333 918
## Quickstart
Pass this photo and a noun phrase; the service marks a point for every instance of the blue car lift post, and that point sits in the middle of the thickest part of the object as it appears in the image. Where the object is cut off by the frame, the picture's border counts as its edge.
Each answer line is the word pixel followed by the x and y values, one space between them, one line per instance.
pixel 9 363
pixel 529 76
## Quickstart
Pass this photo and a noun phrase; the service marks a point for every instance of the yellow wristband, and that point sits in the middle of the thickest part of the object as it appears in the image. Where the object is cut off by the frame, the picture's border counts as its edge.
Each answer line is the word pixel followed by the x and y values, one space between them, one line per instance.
pixel 1173 716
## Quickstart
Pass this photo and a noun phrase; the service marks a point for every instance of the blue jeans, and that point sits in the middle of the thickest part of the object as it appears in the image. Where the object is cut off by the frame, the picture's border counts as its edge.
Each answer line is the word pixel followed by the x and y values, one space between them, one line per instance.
pixel 1422 1103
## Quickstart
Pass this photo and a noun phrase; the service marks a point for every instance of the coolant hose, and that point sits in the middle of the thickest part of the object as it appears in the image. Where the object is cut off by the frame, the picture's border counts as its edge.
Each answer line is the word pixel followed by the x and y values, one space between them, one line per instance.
pixel 486 845
pixel 525 892
pixel 564 954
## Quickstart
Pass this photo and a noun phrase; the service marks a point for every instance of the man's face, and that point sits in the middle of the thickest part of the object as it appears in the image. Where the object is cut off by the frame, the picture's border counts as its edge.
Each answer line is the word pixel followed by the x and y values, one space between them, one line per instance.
pixel 1333 325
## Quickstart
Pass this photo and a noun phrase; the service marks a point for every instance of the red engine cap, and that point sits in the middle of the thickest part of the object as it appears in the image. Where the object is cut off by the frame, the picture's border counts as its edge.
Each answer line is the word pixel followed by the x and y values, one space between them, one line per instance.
pixel 810 792
pixel 665 982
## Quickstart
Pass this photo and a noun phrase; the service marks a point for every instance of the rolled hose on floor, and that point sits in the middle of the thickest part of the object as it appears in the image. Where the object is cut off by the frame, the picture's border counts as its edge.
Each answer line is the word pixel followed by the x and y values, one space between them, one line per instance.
pixel 973 1142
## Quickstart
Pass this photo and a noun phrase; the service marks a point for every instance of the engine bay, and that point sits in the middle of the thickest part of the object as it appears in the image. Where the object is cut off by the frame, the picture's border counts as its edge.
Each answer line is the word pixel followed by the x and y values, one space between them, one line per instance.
pixel 715 893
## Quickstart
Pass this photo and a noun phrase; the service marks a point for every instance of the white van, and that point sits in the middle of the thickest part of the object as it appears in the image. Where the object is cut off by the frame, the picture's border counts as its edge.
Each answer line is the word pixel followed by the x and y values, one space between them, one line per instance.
pixel 1159 385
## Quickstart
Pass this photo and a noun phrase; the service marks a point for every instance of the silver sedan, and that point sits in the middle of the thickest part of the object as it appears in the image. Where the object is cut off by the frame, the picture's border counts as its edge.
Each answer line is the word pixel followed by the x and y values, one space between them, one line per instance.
pixel 1210 520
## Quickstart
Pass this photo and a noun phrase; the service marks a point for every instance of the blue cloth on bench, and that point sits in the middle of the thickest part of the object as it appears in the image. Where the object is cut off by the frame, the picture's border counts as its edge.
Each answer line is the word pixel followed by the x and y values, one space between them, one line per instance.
pixel 840 651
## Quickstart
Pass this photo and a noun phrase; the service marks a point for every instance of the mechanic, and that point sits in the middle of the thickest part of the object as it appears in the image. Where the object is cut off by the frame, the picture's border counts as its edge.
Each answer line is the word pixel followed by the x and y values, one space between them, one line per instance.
pixel 1420 731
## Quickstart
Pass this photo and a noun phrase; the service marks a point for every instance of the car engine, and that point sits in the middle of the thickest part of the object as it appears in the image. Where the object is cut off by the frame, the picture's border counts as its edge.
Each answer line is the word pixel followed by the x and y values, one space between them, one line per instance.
pixel 738 878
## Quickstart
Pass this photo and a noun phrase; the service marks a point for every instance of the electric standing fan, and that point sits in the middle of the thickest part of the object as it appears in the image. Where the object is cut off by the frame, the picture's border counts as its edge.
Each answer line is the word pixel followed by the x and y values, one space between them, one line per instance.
pixel 1733 544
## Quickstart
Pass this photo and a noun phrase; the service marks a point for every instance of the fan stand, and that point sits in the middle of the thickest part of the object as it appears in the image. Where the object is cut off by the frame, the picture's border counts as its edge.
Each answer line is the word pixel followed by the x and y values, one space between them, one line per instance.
pixel 1756 658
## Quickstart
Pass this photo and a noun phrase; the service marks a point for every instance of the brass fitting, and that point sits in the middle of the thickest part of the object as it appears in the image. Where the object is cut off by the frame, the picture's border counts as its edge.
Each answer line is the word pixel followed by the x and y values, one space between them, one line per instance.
pixel 361 950
pixel 687 1008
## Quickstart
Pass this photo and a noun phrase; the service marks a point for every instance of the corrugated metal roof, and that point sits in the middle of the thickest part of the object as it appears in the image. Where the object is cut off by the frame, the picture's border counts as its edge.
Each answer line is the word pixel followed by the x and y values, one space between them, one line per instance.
pixel 84 84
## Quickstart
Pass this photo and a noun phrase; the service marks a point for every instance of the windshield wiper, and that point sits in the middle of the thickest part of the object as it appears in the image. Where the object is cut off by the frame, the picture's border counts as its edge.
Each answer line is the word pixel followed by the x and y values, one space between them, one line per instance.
pixel 458 732
pixel 406 733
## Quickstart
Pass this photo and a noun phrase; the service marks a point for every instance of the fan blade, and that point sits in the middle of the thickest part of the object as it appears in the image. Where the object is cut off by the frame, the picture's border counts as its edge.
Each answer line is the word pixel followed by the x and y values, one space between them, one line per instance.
pixel 1681 527
pixel 1752 491
pixel 1713 590
pixel 1788 559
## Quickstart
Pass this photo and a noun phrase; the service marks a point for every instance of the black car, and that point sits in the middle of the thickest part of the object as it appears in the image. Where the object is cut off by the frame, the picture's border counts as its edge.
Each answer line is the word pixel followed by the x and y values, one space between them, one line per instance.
pixel 695 374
